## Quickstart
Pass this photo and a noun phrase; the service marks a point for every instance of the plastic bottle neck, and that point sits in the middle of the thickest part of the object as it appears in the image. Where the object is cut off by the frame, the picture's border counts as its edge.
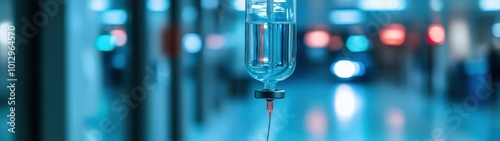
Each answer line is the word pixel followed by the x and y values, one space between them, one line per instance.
pixel 270 86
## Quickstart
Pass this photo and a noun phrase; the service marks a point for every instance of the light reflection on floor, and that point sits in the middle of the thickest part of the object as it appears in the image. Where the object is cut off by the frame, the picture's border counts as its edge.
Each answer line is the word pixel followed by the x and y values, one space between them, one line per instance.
pixel 354 112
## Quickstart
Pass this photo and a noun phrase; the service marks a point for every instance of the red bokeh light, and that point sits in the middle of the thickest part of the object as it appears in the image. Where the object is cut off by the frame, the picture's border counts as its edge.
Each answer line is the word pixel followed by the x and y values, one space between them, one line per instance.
pixel 316 122
pixel 436 34
pixel 317 39
pixel 393 35
pixel 121 37
pixel 215 41
pixel 336 43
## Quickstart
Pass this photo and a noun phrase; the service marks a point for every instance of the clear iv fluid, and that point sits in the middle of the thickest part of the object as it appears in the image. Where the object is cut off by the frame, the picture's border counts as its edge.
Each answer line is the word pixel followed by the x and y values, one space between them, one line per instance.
pixel 270 50
pixel 270 46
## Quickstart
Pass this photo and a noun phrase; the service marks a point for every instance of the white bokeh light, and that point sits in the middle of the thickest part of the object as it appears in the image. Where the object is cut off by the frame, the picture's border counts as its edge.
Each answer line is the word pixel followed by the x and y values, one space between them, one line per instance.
pixel 460 38
pixel 4 27
pixel 344 69
pixel 191 42
pixel 239 5
pixel 344 102
pixel 99 5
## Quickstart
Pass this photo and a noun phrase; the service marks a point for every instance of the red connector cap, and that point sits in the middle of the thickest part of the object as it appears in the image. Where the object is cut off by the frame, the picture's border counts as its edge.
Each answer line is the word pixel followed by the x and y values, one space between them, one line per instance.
pixel 269 107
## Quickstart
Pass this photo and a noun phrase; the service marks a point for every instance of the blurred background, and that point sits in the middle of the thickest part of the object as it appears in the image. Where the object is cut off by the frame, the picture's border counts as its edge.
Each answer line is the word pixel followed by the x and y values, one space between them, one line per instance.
pixel 173 70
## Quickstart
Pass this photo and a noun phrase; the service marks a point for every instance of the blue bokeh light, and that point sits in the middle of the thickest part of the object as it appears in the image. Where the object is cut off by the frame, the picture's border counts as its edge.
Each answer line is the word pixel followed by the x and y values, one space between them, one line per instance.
pixel 191 42
pixel 495 29
pixel 114 17
pixel 158 5
pixel 105 43
pixel 382 5
pixel 345 17
pixel 99 5
pixel 489 5
pixel 357 43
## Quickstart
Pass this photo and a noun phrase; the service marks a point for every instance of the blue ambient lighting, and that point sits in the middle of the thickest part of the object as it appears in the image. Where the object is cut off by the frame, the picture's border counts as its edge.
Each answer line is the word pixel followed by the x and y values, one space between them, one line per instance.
pixel 189 14
pixel 119 61
pixel 209 4
pixel 476 67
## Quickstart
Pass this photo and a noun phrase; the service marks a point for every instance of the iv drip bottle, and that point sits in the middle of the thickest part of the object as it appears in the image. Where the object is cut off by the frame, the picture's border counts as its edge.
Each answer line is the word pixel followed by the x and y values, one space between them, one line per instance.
pixel 270 47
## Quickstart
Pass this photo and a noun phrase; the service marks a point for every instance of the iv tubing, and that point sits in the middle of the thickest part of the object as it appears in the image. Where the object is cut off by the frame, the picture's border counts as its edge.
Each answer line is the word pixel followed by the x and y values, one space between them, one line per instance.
pixel 269 113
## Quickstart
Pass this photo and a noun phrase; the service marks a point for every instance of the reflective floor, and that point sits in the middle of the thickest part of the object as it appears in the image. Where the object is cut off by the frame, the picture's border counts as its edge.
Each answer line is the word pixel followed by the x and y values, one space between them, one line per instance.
pixel 355 112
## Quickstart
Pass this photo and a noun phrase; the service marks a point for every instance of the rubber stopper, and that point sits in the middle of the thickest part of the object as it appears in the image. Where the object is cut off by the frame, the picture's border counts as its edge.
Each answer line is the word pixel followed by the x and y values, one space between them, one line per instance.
pixel 269 94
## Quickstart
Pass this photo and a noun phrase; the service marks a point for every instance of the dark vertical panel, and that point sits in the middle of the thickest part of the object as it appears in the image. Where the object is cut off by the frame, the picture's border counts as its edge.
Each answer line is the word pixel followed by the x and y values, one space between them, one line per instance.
pixel 172 45
pixel 138 50
pixel 52 70
pixel 199 67
pixel 27 72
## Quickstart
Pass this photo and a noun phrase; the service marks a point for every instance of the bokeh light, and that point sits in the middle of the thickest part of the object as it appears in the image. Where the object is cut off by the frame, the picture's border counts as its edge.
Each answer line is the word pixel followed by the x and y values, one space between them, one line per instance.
pixel 495 29
pixel 316 122
pixel 215 41
pixel 357 43
pixel 460 39
pixel 114 17
pixel 436 5
pixel 344 69
pixel 336 43
pixel 359 69
pixel 105 43
pixel 191 42
pixel 382 5
pixel 436 34
pixel 393 35
pixel 4 26
pixel 344 102
pixel 346 17
pixel 121 37
pixel 158 5
pixel 489 5
pixel 347 69
pixel 395 119
pixel 239 5
pixel 99 5
pixel 316 39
